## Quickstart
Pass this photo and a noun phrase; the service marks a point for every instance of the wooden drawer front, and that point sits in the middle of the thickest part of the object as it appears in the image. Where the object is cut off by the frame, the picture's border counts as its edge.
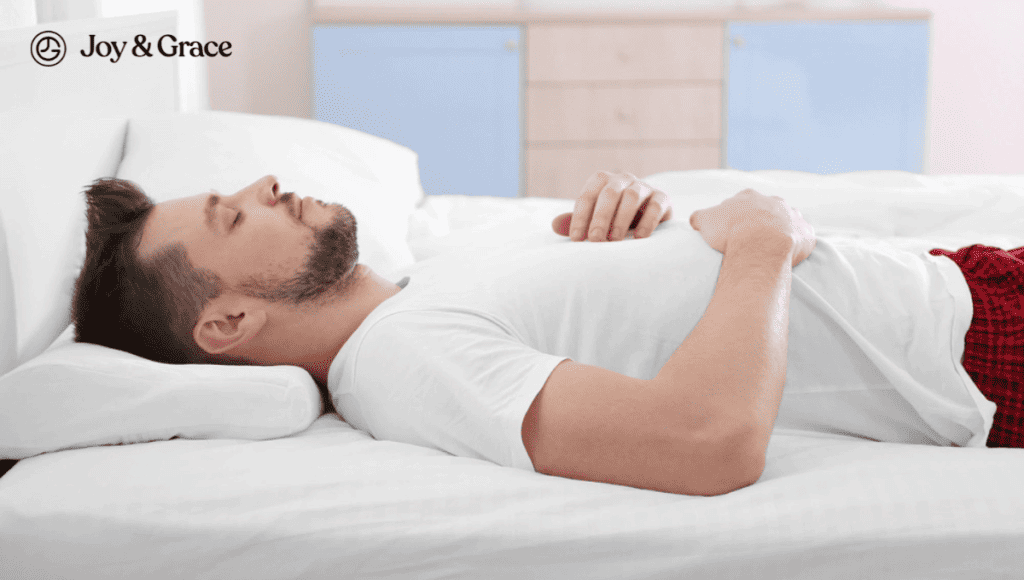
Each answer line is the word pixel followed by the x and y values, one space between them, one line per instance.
pixel 623 113
pixel 563 172
pixel 624 52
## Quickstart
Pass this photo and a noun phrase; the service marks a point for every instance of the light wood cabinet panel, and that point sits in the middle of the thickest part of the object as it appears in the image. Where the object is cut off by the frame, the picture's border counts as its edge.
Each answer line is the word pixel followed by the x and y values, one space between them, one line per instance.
pixel 641 98
pixel 561 172
pixel 623 113
pixel 627 52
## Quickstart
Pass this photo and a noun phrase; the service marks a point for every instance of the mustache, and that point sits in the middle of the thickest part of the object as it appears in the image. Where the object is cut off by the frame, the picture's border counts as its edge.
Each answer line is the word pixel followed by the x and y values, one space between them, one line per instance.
pixel 286 199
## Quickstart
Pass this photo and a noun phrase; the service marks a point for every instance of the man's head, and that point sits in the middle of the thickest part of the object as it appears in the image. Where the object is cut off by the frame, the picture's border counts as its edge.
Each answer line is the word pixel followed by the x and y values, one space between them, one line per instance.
pixel 189 280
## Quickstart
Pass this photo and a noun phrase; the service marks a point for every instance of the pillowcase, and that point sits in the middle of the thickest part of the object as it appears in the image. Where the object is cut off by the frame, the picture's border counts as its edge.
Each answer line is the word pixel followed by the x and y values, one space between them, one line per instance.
pixel 48 160
pixel 81 395
pixel 8 326
pixel 173 156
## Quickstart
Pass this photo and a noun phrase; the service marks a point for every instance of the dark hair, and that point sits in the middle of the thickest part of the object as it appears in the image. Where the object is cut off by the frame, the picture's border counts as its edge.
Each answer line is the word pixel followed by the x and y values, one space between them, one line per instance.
pixel 147 307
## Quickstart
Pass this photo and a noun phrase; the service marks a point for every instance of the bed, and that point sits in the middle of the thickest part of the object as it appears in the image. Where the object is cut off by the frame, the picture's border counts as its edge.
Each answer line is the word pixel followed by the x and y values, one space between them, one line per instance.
pixel 319 499
pixel 128 469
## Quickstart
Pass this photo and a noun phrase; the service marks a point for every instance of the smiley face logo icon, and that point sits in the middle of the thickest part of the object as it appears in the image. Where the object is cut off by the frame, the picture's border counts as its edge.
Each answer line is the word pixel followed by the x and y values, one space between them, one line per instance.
pixel 48 48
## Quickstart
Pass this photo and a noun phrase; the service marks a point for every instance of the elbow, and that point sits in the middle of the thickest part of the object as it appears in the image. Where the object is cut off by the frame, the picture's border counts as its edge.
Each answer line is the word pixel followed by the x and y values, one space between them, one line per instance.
pixel 725 465
pixel 735 479
pixel 743 474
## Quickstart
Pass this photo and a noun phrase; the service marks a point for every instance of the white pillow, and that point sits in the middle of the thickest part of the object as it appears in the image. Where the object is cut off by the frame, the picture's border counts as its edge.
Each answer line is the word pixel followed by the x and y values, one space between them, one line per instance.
pixel 173 156
pixel 8 322
pixel 81 395
pixel 48 160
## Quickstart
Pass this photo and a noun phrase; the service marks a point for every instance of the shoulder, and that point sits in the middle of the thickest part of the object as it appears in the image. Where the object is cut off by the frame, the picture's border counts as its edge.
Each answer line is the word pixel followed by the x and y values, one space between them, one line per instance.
pixel 429 328
pixel 443 343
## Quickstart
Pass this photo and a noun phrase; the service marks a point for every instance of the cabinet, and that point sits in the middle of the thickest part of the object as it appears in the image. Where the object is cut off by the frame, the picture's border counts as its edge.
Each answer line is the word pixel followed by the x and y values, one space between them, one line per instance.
pixel 539 101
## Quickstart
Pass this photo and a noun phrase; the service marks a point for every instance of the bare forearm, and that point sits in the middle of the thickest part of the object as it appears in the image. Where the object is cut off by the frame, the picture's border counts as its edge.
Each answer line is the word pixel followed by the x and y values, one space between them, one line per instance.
pixel 726 378
pixel 702 425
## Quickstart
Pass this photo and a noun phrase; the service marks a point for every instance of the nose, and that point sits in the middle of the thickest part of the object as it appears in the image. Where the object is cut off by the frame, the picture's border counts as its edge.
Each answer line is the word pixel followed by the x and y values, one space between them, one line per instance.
pixel 270 188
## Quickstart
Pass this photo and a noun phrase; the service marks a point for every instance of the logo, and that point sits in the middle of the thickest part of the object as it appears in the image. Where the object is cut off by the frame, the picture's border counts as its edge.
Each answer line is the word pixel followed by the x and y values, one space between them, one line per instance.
pixel 48 48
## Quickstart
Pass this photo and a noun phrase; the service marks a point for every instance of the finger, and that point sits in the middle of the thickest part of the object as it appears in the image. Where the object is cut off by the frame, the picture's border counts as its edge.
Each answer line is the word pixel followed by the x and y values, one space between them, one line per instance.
pixel 584 209
pixel 628 210
pixel 695 220
pixel 656 209
pixel 604 210
pixel 561 224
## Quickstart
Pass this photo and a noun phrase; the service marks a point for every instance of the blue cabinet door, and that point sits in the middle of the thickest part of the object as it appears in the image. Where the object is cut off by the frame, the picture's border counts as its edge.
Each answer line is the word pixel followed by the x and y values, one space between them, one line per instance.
pixel 452 94
pixel 826 97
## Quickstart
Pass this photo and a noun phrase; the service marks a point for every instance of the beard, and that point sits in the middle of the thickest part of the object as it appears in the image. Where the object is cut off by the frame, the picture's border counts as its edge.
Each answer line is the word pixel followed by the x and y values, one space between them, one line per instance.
pixel 329 269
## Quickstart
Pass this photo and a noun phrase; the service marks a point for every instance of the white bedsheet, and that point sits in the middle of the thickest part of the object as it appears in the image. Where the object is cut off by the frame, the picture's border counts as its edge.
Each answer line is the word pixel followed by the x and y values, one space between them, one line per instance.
pixel 331 502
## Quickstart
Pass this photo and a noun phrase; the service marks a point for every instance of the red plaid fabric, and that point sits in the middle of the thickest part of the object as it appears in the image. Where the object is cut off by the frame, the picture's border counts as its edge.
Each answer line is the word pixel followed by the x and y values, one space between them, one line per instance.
pixel 994 349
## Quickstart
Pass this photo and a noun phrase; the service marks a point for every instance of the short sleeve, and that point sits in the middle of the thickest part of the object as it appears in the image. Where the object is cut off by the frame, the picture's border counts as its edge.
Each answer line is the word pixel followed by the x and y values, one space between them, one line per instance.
pixel 452 380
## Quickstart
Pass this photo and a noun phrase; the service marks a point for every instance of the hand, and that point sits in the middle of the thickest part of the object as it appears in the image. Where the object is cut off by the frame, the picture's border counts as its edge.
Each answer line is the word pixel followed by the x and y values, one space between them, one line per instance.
pixel 612 204
pixel 751 215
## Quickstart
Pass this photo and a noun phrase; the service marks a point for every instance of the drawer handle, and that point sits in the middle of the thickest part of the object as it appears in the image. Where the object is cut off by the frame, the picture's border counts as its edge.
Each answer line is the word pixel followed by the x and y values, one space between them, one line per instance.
pixel 623 116
pixel 623 56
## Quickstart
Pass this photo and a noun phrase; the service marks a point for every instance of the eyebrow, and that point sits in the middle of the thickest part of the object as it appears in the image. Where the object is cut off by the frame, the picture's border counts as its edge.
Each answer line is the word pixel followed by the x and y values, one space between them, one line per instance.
pixel 210 209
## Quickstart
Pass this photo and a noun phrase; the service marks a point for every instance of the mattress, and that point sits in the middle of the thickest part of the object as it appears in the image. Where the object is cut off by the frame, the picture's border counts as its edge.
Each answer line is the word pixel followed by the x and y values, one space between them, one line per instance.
pixel 332 502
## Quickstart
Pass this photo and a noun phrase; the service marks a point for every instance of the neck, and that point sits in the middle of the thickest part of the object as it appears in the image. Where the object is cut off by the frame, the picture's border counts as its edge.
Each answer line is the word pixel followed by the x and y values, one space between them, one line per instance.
pixel 311 337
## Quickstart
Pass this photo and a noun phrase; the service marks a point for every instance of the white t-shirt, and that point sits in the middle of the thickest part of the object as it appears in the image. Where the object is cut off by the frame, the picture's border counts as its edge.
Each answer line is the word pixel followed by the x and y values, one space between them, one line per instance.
pixel 454 360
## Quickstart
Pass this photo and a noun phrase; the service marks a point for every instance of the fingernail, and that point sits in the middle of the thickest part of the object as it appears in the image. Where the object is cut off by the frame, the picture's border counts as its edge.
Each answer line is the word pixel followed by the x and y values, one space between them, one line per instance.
pixel 566 222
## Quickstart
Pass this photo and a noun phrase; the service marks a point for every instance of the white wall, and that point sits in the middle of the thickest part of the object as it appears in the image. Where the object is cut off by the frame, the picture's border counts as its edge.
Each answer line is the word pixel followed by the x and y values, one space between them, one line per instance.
pixel 976 104
pixel 57 10
pixel 269 69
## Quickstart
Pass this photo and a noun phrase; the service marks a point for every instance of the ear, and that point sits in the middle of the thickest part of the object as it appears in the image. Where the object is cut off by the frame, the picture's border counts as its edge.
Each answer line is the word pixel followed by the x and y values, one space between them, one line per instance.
pixel 226 324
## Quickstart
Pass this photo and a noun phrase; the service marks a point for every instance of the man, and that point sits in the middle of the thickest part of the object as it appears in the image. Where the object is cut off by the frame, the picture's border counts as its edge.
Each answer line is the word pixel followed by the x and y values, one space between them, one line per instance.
pixel 657 363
